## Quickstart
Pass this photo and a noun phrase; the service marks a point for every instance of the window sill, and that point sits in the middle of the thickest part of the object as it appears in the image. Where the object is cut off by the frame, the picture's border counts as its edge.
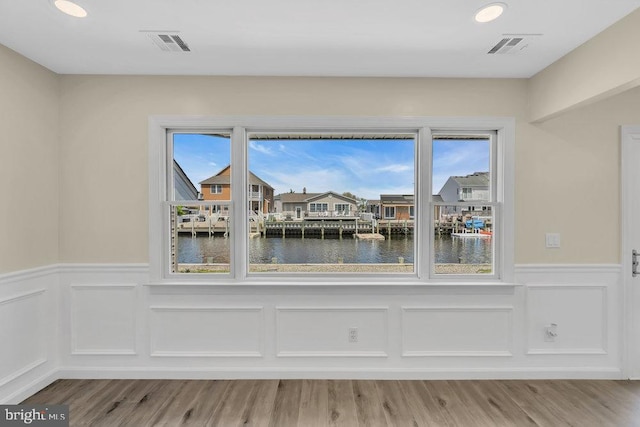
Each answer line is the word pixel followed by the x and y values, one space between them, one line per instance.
pixel 324 283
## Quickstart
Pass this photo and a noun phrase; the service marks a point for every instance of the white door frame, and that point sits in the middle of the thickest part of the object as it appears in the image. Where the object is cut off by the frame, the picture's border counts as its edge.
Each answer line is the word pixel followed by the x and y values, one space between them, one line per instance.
pixel 630 364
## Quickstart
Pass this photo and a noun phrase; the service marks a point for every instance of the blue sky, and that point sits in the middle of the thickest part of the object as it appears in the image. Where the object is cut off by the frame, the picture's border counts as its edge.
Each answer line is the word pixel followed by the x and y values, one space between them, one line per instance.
pixel 366 168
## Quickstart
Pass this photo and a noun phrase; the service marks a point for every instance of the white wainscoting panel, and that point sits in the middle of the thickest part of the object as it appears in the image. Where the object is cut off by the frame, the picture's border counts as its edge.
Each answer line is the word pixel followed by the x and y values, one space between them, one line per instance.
pixel 107 321
pixel 103 319
pixel 29 334
pixel 457 331
pixel 580 312
pixel 207 331
pixel 324 331
pixel 22 334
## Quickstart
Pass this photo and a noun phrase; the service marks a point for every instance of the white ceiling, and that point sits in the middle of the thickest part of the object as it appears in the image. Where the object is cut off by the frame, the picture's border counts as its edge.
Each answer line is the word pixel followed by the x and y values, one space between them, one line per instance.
pixel 435 38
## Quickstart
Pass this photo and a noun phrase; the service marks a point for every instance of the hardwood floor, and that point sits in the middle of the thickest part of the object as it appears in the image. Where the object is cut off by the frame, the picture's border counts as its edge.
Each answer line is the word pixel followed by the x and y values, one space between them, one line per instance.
pixel 282 403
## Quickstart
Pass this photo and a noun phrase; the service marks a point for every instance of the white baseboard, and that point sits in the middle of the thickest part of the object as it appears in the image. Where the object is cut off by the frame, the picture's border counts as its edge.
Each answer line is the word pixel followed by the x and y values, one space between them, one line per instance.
pixel 337 373
pixel 30 389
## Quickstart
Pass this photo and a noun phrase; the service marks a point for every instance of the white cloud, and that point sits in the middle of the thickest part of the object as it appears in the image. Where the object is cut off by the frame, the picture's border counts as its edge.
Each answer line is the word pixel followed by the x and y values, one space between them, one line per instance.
pixel 261 148
pixel 397 168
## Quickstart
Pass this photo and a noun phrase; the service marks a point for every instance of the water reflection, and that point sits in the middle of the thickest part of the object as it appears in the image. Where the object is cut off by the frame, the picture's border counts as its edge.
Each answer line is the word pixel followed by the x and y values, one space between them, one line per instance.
pixel 350 251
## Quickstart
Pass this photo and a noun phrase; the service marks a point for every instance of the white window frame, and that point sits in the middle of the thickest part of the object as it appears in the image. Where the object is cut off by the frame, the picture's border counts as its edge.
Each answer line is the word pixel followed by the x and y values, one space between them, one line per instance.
pixel 217 186
pixel 342 207
pixel 313 207
pixel 425 127
pixel 389 216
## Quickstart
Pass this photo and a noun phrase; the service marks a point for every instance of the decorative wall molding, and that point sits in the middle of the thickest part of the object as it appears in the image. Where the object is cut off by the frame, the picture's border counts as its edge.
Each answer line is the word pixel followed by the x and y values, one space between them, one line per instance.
pixel 507 351
pixel 76 321
pixel 306 336
pixel 543 269
pixel 574 288
pixel 267 319
pixel 32 273
pixel 22 296
pixel 140 268
pixel 258 330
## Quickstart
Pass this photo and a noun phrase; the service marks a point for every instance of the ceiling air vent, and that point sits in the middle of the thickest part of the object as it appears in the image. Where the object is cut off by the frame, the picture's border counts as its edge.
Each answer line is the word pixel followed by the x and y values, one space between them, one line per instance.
pixel 168 42
pixel 512 44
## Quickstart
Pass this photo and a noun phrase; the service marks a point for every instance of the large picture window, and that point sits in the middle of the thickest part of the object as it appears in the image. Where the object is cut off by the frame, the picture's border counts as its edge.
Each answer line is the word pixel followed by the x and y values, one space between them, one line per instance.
pixel 379 200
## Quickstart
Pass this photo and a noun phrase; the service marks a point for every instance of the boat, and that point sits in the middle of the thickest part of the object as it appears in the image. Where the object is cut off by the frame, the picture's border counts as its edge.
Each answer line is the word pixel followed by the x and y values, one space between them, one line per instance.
pixel 486 234
pixel 474 223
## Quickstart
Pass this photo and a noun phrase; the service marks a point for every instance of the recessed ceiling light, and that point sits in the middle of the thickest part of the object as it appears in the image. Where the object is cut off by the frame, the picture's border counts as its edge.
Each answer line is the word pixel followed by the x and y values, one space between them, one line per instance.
pixel 70 8
pixel 490 12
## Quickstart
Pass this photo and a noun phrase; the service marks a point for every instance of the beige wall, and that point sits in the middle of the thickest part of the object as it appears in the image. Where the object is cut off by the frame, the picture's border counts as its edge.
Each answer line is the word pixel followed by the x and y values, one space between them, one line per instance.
pixel 104 135
pixel 29 101
pixel 572 166
pixel 104 140
pixel 604 66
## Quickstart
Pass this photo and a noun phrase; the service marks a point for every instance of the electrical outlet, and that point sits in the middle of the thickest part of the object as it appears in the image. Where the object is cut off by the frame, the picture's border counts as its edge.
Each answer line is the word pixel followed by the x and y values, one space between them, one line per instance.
pixel 553 240
pixel 353 335
pixel 550 332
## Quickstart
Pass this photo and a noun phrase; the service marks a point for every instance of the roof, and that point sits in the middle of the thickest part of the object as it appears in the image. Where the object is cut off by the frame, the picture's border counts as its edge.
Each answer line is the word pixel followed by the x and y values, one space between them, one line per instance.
pixel 476 179
pixel 331 193
pixel 296 197
pixel 226 179
pixel 306 197
pixel 404 199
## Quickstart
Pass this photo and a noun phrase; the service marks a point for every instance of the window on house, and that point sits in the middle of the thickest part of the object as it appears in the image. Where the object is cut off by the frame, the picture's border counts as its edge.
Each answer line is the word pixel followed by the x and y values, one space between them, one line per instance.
pixel 466 193
pixel 389 212
pixel 318 207
pixel 342 208
pixel 284 221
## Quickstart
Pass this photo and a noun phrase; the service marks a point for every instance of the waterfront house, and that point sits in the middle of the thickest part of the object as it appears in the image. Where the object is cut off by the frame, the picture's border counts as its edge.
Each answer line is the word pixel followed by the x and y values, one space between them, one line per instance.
pixel 397 206
pixel 469 188
pixel 303 205
pixel 218 187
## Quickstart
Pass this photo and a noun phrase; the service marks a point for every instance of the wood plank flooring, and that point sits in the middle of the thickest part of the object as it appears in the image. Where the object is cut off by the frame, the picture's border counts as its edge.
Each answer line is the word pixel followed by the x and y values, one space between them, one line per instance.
pixel 282 403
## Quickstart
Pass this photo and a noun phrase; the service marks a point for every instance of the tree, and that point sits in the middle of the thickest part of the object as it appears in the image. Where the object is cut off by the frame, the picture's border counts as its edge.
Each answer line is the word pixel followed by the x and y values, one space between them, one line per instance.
pixel 350 195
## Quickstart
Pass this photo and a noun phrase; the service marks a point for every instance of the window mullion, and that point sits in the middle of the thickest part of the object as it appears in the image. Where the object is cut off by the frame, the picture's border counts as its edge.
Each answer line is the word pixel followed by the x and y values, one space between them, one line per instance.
pixel 239 206
pixel 423 216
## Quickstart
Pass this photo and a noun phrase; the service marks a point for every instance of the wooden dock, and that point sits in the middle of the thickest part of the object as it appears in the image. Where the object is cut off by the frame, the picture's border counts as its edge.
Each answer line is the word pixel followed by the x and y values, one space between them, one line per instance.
pixel 318 227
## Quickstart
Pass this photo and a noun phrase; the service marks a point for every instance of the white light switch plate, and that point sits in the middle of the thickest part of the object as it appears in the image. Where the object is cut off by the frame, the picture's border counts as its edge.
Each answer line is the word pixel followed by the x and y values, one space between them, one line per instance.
pixel 553 240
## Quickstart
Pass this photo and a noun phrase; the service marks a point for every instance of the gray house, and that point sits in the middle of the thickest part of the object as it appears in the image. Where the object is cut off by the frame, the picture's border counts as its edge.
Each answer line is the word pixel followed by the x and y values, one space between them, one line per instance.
pixel 183 187
pixel 301 205
pixel 470 188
